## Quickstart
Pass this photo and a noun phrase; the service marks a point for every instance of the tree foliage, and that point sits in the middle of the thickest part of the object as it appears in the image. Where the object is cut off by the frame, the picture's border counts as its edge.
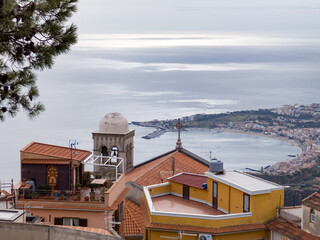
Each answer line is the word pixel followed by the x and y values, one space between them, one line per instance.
pixel 32 33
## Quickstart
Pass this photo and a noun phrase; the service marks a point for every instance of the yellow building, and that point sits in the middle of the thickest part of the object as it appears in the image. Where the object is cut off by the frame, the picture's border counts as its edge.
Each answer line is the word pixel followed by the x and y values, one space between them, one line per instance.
pixel 219 205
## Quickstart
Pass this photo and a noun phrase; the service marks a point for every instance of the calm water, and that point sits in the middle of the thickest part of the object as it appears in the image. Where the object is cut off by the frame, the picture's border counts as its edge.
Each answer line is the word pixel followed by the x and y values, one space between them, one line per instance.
pixel 237 151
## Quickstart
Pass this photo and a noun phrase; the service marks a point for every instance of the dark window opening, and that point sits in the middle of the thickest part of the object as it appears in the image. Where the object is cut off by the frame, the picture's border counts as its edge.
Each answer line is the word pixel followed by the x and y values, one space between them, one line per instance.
pixel 215 195
pixel 246 203
pixel 186 192
pixel 104 151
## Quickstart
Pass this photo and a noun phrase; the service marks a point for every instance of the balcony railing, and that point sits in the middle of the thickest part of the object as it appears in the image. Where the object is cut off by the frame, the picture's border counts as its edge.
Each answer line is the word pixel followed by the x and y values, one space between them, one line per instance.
pixel 84 194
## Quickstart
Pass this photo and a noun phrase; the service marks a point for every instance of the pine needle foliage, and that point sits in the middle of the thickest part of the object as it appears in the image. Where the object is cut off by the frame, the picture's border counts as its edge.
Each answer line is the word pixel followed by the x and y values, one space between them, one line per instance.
pixel 32 34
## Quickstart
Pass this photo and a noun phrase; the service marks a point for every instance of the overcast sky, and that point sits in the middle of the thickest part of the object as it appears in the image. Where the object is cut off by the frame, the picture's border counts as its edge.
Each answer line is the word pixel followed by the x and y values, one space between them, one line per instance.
pixel 209 16
pixel 171 58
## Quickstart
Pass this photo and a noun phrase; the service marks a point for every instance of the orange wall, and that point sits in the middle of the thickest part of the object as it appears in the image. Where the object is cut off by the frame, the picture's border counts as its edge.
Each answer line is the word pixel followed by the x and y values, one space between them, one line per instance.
pixel 115 191
pixel 95 219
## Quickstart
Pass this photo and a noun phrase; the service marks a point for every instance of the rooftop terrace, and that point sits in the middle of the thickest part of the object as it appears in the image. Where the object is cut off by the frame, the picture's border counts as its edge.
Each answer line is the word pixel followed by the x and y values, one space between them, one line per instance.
pixel 171 203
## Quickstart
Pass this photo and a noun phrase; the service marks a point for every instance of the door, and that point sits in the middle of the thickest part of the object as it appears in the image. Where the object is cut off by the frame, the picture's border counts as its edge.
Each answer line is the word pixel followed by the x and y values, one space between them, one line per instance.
pixel 215 195
pixel 186 192
pixel 246 203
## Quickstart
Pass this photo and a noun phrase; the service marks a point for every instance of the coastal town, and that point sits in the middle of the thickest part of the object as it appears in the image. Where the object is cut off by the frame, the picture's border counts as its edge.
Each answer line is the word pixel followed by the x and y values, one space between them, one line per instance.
pixel 121 200
pixel 297 123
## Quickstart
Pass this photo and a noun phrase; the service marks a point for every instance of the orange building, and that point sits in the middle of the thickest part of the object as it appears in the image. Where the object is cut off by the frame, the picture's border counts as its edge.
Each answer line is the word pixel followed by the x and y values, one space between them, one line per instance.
pixel 53 186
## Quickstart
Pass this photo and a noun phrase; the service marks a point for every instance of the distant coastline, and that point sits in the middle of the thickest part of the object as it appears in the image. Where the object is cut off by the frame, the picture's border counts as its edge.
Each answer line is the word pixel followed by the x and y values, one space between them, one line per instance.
pixel 160 131
pixel 291 141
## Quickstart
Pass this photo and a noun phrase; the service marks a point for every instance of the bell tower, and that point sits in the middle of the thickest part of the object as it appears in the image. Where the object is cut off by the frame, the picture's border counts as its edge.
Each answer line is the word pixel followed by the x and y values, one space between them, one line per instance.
pixel 113 137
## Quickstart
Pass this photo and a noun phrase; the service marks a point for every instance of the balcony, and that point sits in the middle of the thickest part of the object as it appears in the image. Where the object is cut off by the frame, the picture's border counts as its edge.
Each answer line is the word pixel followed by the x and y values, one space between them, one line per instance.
pixel 169 203
pixel 101 196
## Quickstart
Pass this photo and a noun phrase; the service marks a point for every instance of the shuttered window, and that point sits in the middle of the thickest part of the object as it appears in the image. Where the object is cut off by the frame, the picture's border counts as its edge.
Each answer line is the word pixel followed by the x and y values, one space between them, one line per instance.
pixel 83 222
pixel 58 221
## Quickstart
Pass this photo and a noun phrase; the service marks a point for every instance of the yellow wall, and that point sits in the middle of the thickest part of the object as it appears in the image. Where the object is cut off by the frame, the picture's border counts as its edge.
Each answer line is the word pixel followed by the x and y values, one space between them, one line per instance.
pixel 201 222
pixel 264 206
pixel 161 235
pixel 201 194
pixel 223 196
pixel 229 198
pixel 176 188
pixel 243 236
pixel 236 200
pixel 159 190
pixel 155 235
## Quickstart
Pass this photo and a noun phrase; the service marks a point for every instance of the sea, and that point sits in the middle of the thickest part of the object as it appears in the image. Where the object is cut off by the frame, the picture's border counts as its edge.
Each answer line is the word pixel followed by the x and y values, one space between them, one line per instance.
pixel 237 151
pixel 146 77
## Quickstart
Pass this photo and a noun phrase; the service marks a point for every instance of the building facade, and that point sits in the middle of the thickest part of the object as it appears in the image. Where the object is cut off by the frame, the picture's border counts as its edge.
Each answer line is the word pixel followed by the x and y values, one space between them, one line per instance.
pixel 311 214
pixel 229 205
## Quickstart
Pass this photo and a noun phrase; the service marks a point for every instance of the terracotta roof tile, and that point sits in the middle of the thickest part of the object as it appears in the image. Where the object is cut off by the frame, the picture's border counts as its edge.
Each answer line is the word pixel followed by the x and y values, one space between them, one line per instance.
pixel 45 161
pixel 55 151
pixel 290 230
pixel 6 193
pixel 159 169
pixel 313 201
pixel 134 223
pixel 189 179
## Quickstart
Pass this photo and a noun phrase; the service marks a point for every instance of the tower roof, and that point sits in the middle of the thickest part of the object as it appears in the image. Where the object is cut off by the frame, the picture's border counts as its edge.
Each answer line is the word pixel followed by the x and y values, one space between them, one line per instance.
pixel 114 123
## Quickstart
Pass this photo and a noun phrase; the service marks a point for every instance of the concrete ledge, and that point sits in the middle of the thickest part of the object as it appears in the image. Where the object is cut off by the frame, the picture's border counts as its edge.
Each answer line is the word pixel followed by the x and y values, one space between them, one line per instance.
pixel 13 231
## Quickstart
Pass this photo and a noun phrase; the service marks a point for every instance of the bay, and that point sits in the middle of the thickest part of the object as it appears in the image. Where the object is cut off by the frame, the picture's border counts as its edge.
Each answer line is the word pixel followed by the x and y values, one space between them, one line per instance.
pixel 237 151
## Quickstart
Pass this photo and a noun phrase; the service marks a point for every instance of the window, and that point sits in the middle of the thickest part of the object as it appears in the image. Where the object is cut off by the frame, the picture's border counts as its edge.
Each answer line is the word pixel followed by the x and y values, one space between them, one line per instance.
pixel 246 203
pixel 104 151
pixel 71 221
pixel 121 212
pixel 215 195
pixel 312 215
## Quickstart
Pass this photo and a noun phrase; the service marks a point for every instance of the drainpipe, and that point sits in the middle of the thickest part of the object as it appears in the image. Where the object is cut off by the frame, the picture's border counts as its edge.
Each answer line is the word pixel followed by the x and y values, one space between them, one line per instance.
pixel 172 165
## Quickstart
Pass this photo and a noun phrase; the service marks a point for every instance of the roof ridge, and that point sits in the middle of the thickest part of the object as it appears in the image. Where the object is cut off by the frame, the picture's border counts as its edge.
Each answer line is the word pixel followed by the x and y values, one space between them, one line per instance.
pixel 52 145
pixel 155 158
pixel 169 155
pixel 315 193
pixel 25 147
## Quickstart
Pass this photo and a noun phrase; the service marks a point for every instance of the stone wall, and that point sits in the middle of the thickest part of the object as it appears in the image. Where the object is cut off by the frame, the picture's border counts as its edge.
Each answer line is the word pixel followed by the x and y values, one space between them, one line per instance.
pixel 25 231
pixel 135 193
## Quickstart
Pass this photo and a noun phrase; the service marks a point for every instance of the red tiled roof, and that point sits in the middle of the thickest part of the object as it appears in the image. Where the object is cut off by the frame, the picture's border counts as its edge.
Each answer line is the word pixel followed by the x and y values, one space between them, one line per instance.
pixel 134 223
pixel 313 201
pixel 290 230
pixel 195 229
pixel 45 161
pixel 189 179
pixel 159 169
pixel 5 193
pixel 55 151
